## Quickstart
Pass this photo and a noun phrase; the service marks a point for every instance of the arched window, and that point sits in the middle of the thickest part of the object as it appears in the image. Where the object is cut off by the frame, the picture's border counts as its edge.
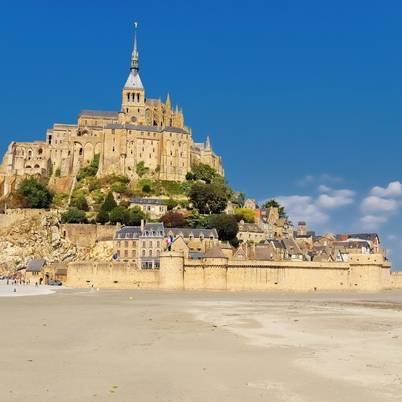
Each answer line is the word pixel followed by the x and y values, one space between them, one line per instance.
pixel 143 253
pixel 150 253
pixel 81 152
pixel 36 166
pixel 138 97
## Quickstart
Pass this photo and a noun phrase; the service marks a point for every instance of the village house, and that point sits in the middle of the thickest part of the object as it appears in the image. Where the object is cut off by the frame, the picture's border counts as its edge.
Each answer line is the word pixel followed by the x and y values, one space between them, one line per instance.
pixel 140 244
pixel 154 207
pixel 250 232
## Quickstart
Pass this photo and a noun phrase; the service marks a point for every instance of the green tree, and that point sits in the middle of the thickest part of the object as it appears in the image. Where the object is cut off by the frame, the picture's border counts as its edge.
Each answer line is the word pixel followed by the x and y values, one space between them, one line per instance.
pixel 245 214
pixel 119 215
pixel 209 198
pixel 146 188
pixel 102 217
pixel 34 194
pixel 80 202
pixel 171 204
pixel 109 203
pixel 226 226
pixel 174 220
pixel 203 172
pixel 141 169
pixel 135 215
pixel 74 215
pixel 275 204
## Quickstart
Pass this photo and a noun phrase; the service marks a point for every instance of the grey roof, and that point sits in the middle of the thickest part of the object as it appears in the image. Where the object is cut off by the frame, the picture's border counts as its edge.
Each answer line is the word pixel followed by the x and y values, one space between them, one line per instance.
pixel 36 265
pixel 100 113
pixel 134 81
pixel 195 255
pixel 262 253
pixel 134 232
pixel 250 227
pixel 147 201
pixel 363 236
pixel 214 252
pixel 196 233
pixel 291 246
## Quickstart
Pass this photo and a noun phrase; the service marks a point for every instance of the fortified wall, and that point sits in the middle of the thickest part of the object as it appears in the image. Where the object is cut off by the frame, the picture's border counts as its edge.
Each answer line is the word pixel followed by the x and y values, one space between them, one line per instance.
pixel 366 273
pixel 87 235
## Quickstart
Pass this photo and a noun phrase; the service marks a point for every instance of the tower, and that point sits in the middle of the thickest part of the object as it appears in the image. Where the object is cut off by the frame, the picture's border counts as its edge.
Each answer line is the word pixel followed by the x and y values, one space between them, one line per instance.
pixel 133 95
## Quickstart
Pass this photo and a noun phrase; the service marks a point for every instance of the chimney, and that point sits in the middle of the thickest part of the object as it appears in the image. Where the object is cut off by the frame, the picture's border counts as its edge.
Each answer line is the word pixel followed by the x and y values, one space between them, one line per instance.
pixel 142 225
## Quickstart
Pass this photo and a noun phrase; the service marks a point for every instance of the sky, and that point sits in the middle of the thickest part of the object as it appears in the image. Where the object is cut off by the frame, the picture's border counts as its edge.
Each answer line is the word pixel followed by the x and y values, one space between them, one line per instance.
pixel 302 99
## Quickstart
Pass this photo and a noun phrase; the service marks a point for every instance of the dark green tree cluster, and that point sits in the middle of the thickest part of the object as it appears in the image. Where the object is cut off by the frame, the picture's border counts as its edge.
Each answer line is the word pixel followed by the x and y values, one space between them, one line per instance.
pixel 202 172
pixel 74 215
pixel 209 198
pixel 34 194
pixel 113 213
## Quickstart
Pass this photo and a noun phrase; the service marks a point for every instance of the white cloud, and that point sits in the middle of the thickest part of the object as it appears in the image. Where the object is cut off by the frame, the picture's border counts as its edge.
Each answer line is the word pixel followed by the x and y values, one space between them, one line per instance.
pixel 394 189
pixel 373 203
pixel 332 199
pixel 381 204
pixel 303 208
pixel 321 179
pixel 372 222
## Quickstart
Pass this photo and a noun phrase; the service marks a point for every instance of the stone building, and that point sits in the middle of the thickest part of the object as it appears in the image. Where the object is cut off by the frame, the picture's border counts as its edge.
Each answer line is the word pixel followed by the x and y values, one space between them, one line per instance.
pixel 154 207
pixel 140 244
pixel 144 130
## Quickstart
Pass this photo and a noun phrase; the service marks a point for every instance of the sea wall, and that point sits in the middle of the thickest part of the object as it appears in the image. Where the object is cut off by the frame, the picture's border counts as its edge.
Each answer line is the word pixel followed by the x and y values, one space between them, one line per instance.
pixel 367 273
pixel 110 275
pixel 396 280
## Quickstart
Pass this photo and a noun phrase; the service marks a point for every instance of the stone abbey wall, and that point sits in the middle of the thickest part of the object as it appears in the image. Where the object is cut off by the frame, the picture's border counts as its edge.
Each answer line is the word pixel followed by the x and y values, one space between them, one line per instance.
pixel 177 272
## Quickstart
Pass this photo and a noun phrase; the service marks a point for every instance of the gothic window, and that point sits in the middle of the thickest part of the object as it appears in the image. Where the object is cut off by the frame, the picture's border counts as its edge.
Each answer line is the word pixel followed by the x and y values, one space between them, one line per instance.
pixel 81 152
pixel 128 97
pixel 138 98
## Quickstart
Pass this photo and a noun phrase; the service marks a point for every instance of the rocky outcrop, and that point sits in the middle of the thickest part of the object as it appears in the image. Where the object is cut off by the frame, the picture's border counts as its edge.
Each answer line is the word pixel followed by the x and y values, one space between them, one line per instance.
pixel 41 236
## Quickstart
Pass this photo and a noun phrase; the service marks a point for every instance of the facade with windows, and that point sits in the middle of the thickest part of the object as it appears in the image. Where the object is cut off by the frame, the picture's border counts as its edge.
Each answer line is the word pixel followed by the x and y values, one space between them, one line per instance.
pixel 140 244
pixel 154 207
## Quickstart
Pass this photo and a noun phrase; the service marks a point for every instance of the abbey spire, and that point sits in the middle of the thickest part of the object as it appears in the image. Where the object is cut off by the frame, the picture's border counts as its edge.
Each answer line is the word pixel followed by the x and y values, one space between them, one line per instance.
pixel 133 96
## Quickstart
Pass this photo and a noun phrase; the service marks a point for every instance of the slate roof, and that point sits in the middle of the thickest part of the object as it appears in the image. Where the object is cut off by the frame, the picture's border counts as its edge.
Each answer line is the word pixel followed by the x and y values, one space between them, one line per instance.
pixel 196 233
pixel 100 113
pixel 134 232
pixel 262 253
pixel 214 252
pixel 36 265
pixel 134 81
pixel 147 201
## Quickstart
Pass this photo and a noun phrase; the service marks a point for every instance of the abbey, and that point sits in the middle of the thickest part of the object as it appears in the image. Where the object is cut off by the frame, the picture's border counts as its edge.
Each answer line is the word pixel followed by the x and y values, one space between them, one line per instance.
pixel 145 130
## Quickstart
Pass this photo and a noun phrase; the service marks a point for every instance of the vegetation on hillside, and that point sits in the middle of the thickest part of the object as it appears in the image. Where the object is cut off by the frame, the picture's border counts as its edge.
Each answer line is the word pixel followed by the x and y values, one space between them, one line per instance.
pixel 34 194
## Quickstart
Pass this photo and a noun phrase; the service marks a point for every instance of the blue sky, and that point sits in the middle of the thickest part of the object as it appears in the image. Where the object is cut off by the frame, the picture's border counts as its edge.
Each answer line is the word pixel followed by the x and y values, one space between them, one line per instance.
pixel 303 99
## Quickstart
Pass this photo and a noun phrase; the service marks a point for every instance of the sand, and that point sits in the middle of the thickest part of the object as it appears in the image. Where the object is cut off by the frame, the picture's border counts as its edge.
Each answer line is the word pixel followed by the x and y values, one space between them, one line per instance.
pixel 110 345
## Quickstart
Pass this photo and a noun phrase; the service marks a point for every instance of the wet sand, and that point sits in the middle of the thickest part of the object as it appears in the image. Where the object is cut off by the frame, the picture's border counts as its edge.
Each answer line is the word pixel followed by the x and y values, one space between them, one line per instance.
pixel 85 345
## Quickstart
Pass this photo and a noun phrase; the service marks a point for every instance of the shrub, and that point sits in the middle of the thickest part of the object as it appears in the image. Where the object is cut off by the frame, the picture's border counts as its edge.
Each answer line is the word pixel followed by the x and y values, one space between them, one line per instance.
pixel 174 219
pixel 80 202
pixel 208 198
pixel 119 215
pixel 171 204
pixel 245 214
pixel 141 169
pixel 34 194
pixel 146 188
pixel 74 215
pixel 135 215
pixel 225 225
pixel 109 203
pixel 102 217
pixel 60 200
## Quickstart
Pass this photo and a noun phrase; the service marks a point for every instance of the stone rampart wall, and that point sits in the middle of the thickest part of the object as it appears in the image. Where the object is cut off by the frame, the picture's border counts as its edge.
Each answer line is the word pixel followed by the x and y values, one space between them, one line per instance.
pixel 110 275
pixel 87 236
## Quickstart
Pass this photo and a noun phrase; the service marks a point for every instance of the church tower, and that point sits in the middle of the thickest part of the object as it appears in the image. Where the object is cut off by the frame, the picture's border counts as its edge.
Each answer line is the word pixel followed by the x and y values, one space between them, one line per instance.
pixel 133 96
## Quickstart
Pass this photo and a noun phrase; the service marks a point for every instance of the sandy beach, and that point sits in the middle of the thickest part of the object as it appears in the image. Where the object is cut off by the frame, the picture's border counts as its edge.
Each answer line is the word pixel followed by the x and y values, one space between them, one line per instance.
pixel 111 345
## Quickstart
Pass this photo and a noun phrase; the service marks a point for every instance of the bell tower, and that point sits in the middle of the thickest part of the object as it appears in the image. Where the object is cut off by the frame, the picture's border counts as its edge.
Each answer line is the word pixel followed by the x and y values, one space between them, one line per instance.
pixel 133 95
